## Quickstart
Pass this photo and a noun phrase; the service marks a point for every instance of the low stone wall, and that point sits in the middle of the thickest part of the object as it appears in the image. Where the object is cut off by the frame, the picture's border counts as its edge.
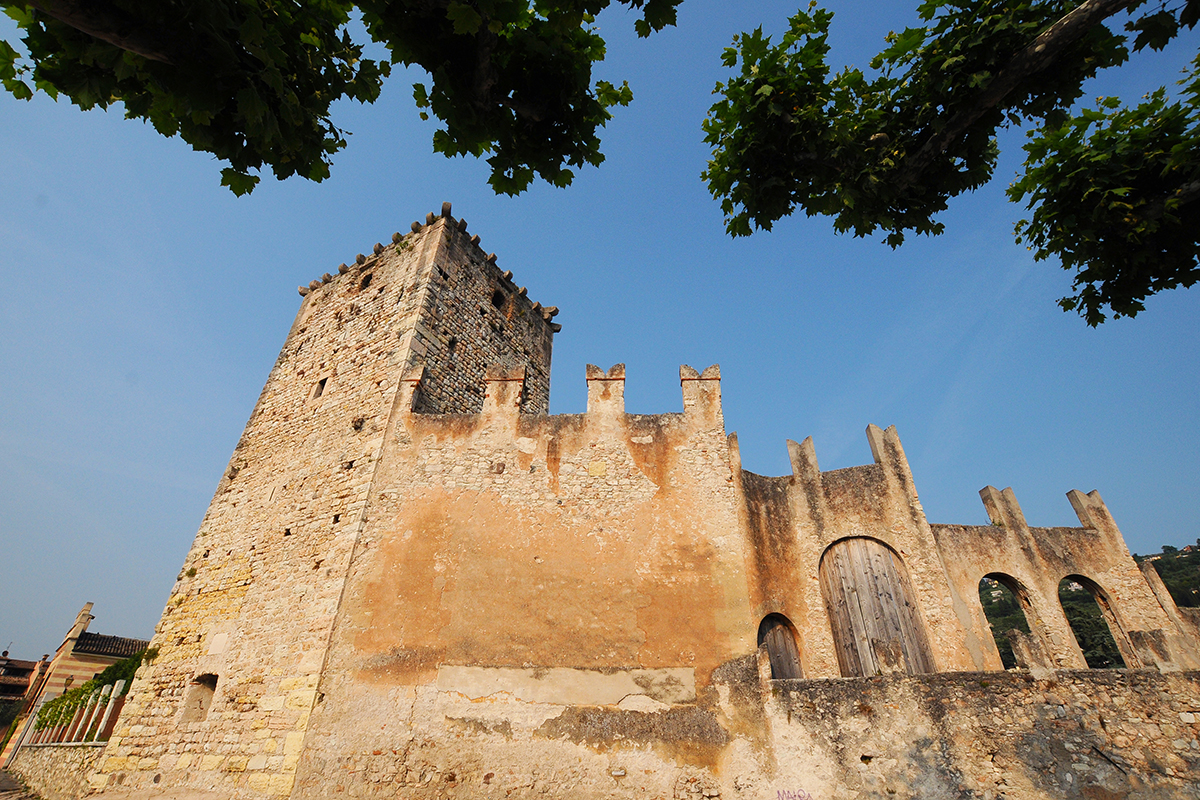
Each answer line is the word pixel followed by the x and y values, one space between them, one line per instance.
pixel 57 771
pixel 1077 735
pixel 1068 735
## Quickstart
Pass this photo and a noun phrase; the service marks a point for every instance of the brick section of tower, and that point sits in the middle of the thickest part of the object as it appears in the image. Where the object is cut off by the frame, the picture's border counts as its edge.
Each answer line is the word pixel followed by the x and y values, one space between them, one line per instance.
pixel 473 317
pixel 256 598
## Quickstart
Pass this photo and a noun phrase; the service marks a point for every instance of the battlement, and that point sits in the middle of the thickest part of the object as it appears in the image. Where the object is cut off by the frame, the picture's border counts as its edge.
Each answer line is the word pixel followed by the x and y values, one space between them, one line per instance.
pixel 506 385
pixel 402 242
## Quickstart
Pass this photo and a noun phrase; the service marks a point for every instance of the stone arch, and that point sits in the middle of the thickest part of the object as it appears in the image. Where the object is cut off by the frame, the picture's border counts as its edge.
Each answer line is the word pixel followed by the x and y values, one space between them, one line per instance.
pixel 777 636
pixel 1113 651
pixel 1028 623
pixel 876 624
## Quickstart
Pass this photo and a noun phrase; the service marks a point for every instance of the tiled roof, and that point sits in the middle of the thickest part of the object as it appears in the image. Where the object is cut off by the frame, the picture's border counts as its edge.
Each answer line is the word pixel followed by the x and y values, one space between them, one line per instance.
pixel 97 644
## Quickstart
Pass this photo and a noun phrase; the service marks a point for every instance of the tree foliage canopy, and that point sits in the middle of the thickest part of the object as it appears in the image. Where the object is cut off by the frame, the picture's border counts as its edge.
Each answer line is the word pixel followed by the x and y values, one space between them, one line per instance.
pixel 252 81
pixel 1111 191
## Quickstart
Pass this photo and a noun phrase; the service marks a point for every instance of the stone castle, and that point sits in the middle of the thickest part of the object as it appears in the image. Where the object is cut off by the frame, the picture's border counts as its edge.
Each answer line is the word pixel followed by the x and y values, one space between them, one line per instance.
pixel 413 582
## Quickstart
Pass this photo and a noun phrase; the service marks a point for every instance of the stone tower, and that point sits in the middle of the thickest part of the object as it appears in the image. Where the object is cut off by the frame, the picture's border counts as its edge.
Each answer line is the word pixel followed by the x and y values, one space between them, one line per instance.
pixel 269 561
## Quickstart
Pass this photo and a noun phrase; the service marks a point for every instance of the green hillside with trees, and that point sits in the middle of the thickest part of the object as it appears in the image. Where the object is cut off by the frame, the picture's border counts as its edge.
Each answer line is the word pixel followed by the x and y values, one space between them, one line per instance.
pixel 1180 571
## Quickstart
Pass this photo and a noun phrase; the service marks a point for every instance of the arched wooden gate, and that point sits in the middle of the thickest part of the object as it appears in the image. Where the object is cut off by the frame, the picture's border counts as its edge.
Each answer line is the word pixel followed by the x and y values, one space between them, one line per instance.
pixel 776 635
pixel 871 608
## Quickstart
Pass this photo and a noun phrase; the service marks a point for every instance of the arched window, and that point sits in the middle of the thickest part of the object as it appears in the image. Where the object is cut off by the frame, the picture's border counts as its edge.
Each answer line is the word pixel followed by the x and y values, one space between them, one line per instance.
pixel 871 610
pixel 1006 606
pixel 198 698
pixel 1092 621
pixel 776 634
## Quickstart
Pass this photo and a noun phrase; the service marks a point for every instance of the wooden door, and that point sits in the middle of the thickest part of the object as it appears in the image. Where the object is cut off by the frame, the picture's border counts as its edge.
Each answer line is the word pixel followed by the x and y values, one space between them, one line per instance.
pixel 776 635
pixel 870 599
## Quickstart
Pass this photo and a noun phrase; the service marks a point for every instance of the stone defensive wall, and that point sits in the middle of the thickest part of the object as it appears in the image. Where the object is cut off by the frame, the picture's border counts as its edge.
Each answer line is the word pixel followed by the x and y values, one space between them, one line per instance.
pixel 413 582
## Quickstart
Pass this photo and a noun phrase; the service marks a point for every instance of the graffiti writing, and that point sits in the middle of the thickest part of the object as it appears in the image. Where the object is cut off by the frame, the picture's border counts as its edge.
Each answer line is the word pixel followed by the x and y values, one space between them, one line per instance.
pixel 792 794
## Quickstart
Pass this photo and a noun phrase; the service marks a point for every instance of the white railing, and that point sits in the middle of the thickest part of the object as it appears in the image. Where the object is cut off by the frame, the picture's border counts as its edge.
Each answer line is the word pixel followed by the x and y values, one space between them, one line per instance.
pixel 92 721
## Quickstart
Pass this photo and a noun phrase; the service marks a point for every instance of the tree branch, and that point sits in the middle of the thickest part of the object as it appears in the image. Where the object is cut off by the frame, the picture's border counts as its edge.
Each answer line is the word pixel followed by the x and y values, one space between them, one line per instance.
pixel 1184 194
pixel 103 21
pixel 1035 57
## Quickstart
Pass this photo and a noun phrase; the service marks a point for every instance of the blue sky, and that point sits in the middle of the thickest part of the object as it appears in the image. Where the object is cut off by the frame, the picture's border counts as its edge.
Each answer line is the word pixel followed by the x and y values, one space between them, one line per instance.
pixel 143 306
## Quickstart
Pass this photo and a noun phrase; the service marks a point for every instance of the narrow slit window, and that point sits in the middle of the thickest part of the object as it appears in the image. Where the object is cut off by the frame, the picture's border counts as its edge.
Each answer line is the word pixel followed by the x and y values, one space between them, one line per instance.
pixel 498 298
pixel 320 388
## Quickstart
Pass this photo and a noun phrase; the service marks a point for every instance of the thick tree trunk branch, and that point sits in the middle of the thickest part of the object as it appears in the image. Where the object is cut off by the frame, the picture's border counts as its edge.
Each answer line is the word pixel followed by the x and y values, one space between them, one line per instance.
pixel 1038 55
pixel 485 71
pixel 1184 194
pixel 107 23
pixel 536 113
pixel 483 89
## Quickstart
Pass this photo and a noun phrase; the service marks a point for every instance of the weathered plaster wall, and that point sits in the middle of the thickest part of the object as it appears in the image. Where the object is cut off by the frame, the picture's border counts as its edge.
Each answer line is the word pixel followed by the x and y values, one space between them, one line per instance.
pixel 792 521
pixel 523 574
pixel 56 771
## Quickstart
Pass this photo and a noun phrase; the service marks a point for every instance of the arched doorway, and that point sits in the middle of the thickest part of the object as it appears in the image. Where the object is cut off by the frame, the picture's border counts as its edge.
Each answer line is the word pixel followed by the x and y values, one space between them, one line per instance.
pixel 777 635
pixel 1006 606
pixel 871 608
pixel 1094 624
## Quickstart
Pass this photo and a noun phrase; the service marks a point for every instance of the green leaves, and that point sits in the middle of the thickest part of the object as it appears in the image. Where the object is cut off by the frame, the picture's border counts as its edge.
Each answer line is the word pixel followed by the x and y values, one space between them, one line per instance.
pixel 10 70
pixel 239 183
pixel 904 47
pixel 465 18
pixel 609 95
pixel 254 83
pixel 251 84
pixel 886 152
pixel 1115 195
pixel 657 14
pixel 20 13
pixel 510 79
pixel 60 710
pixel 1155 30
